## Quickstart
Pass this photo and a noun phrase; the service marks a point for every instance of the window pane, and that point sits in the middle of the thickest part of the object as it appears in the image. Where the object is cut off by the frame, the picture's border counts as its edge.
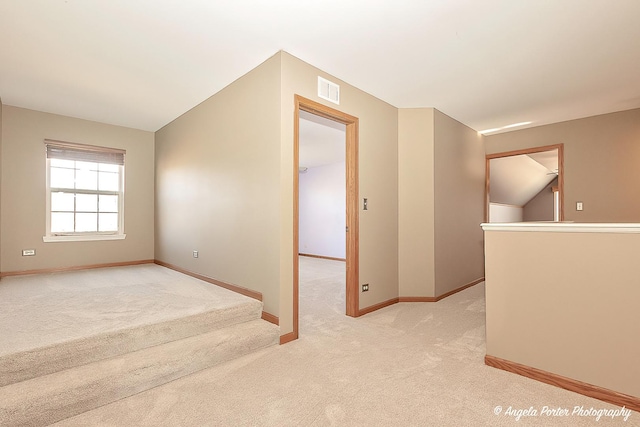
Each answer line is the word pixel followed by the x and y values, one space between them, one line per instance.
pixel 62 202
pixel 86 222
pixel 61 222
pixel 87 166
pixel 108 181
pixel 106 167
pixel 108 222
pixel 76 206
pixel 62 163
pixel 108 203
pixel 61 178
pixel 86 180
pixel 86 203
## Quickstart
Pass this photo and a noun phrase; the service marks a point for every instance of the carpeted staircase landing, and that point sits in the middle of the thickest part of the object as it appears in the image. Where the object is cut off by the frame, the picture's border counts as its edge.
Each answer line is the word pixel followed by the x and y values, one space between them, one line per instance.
pixel 71 342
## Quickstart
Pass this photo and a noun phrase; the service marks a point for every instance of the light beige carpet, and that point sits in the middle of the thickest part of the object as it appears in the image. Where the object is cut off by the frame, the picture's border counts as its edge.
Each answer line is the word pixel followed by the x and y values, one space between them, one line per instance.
pixel 76 304
pixel 89 338
pixel 411 364
pixel 52 322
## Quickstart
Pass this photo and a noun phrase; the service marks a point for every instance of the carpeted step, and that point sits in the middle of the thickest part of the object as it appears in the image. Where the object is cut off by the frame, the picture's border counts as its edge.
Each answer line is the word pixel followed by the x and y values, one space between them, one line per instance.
pixel 32 363
pixel 50 398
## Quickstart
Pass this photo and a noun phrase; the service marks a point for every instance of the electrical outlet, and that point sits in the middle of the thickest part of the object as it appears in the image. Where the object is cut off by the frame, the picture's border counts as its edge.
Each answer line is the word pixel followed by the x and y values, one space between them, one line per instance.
pixel 195 254
pixel 365 287
pixel 579 206
pixel 28 252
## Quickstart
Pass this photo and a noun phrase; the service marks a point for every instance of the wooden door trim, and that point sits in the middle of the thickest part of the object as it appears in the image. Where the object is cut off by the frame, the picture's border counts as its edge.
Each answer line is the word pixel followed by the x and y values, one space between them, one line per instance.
pixel 352 219
pixel 559 147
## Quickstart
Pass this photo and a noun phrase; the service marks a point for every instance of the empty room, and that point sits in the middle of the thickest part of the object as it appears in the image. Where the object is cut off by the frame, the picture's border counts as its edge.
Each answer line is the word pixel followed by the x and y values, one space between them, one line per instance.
pixel 334 213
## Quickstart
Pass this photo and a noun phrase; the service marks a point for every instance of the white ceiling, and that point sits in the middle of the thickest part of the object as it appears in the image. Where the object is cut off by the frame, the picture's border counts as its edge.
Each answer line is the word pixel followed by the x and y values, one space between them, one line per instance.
pixel 486 63
pixel 515 180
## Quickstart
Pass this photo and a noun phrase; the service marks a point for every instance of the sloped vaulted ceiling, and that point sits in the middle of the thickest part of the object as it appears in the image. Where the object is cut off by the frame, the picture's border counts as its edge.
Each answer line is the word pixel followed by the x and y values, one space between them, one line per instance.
pixel 515 180
pixel 487 63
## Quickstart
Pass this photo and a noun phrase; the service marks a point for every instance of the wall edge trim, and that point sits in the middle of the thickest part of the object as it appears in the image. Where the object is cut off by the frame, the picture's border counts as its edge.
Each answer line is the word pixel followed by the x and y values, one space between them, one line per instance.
pixel 270 318
pixel 291 336
pixel 417 299
pixel 235 288
pixel 461 288
pixel 378 306
pixel 75 268
pixel 323 257
pixel 586 389
pixel 392 301
pixel 443 296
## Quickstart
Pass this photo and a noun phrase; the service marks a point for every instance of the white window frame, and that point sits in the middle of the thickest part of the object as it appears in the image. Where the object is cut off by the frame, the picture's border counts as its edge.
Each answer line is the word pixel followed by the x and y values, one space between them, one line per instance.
pixel 84 235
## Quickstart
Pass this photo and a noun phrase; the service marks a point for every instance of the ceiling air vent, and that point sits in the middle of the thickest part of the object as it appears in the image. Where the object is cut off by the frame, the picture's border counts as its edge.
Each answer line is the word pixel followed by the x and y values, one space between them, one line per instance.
pixel 328 90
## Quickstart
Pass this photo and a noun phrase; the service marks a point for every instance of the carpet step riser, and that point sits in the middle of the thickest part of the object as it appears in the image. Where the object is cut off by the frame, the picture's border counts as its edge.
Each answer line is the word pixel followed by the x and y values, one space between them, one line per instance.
pixel 35 363
pixel 47 399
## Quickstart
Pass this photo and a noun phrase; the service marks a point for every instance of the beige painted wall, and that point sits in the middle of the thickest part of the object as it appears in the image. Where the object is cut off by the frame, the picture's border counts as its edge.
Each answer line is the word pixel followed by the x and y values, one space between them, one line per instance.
pixel 378 167
pixel 540 208
pixel 577 316
pixel 1 183
pixel 416 248
pixel 459 180
pixel 224 179
pixel 601 157
pixel 218 185
pixel 441 203
pixel 23 192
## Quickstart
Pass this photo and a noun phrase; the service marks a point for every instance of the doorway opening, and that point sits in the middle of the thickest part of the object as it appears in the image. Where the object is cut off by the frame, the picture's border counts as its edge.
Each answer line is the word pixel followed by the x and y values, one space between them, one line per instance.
pixel 306 107
pixel 525 185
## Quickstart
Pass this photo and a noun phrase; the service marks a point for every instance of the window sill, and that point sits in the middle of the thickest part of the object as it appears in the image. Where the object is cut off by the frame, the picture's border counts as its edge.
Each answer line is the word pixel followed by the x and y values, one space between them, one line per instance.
pixel 84 238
